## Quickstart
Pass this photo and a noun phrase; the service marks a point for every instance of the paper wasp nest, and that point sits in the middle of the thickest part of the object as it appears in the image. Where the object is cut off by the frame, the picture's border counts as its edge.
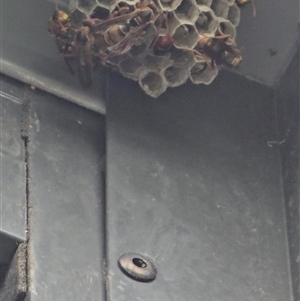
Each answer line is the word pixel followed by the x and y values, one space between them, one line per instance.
pixel 164 42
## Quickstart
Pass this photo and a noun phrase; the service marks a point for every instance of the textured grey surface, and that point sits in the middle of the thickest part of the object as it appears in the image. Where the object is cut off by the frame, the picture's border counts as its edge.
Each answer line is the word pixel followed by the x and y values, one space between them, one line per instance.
pixel 193 184
pixel 30 54
pixel 66 148
pixel 12 174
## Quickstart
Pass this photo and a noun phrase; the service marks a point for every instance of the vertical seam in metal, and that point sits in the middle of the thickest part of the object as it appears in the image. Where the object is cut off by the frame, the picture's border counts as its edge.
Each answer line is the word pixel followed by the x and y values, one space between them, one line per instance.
pixel 104 204
pixel 25 137
pixel 275 98
pixel 104 221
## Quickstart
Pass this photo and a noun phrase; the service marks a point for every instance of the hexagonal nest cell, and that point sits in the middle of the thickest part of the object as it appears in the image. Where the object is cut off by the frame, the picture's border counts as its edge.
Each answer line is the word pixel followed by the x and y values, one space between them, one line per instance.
pixel 131 68
pixel 101 13
pixel 220 7
pixel 202 74
pixel 110 4
pixel 152 42
pixel 185 36
pixel 152 83
pixel 204 2
pixel 207 23
pixel 175 76
pixel 86 5
pixel 187 12
pixel 169 5
pixel 234 15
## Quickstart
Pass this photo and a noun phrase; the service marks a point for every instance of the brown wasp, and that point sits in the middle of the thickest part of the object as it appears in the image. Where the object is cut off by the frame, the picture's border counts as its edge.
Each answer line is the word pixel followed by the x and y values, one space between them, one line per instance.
pixel 117 35
pixel 162 40
pixel 73 43
pixel 162 43
pixel 58 23
pixel 100 39
pixel 242 3
pixel 218 51
pixel 59 27
pixel 81 51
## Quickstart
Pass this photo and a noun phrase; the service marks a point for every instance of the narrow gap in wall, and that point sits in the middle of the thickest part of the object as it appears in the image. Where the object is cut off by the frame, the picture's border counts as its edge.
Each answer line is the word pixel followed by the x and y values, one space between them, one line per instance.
pixel 281 140
pixel 104 219
pixel 287 110
pixel 104 202
pixel 25 136
pixel 104 227
pixel 290 154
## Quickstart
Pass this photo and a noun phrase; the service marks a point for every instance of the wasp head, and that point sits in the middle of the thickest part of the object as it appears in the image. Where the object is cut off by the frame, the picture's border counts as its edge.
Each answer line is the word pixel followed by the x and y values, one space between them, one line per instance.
pixel 221 51
pixel 60 17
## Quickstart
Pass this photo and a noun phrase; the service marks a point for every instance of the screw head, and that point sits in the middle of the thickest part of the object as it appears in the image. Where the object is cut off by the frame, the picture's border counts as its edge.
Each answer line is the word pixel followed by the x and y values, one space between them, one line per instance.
pixel 137 267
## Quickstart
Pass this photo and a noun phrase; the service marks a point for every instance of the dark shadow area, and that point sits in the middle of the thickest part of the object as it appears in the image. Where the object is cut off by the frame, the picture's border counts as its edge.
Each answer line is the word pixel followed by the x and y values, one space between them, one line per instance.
pixel 3 271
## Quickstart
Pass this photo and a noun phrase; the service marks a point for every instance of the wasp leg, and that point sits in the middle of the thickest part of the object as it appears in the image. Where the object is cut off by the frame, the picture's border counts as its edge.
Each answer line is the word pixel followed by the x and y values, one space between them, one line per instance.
pixel 84 66
pixel 127 41
pixel 68 63
pixel 202 56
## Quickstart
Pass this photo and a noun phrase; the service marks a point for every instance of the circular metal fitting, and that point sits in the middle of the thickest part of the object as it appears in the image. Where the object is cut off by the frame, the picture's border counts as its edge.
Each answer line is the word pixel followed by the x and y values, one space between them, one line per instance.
pixel 137 267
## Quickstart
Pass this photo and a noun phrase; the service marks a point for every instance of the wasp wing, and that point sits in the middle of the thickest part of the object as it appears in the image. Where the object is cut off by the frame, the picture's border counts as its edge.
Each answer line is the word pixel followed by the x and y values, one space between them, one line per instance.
pixel 84 68
pixel 126 43
pixel 104 25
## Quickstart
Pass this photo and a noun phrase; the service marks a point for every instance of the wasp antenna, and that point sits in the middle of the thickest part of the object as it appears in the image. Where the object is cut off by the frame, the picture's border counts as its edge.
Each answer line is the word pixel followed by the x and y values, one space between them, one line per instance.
pixel 145 3
pixel 166 17
pixel 203 57
pixel 253 8
pixel 221 31
pixel 223 35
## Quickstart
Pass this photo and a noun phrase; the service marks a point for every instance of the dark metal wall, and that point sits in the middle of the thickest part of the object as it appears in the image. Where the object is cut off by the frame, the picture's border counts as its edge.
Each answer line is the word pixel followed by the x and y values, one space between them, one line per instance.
pixel 194 184
pixel 12 173
pixel 66 160
pixel 62 195
pixel 204 182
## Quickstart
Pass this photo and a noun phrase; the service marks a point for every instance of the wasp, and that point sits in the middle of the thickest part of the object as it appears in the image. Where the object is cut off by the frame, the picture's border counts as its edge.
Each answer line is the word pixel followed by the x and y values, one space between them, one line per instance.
pixel 162 42
pixel 218 51
pixel 73 43
pixel 241 3
pixel 117 35
pixel 82 53
pixel 58 23
pixel 97 39
pixel 59 28
pixel 139 15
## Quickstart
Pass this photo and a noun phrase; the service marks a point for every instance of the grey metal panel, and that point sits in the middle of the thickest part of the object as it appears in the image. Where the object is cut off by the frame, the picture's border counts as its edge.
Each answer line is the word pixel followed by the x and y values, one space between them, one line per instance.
pixel 28 53
pixel 66 149
pixel 268 41
pixel 12 175
pixel 193 184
